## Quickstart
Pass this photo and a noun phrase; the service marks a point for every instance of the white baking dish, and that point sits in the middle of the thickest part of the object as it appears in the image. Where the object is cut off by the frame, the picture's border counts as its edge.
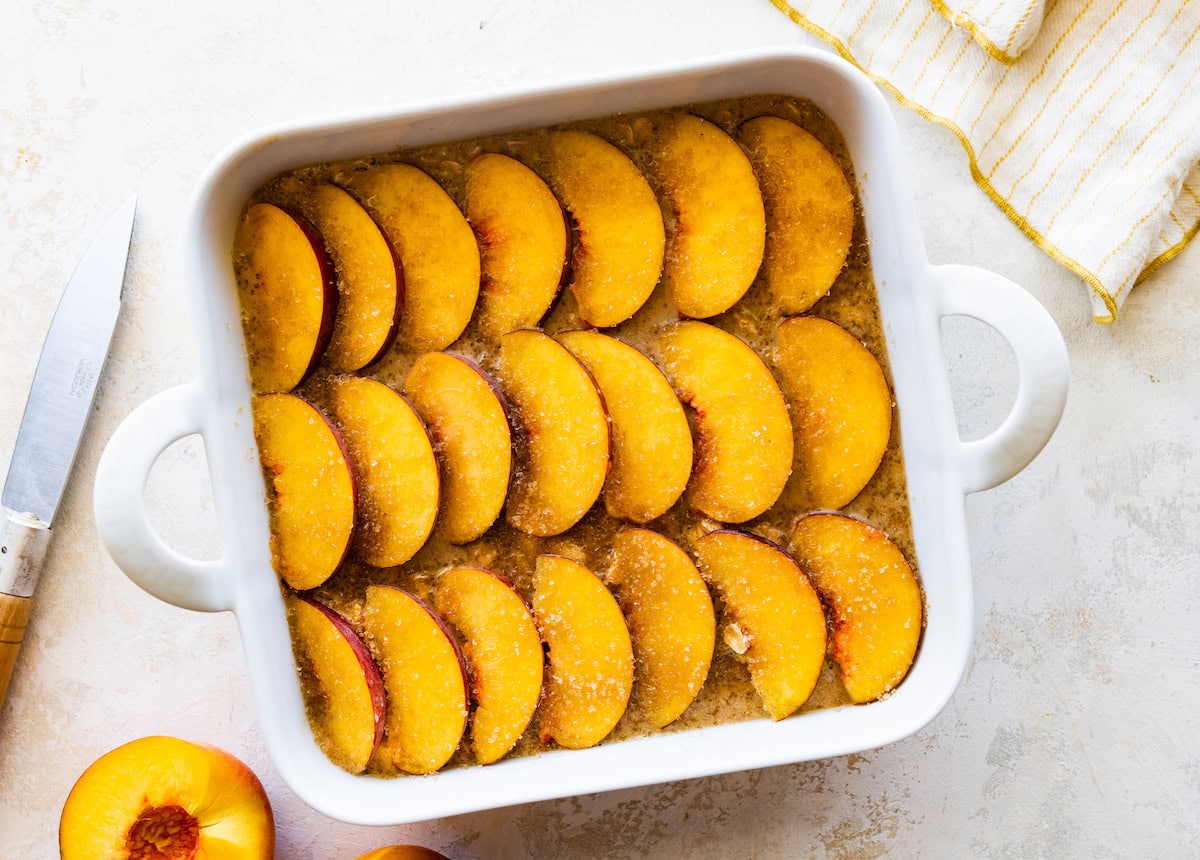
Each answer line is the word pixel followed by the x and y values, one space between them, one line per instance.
pixel 913 295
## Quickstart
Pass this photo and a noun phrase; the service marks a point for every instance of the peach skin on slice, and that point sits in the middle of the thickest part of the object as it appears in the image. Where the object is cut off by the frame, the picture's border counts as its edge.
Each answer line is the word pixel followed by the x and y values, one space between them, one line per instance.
pixel 436 248
pixel 810 211
pixel 772 610
pixel 744 433
pixel 503 652
pixel 403 852
pixel 619 234
pixel 342 685
pixel 590 674
pixel 394 461
pixel 286 286
pixel 163 797
pixel 522 238
pixel 872 595
pixel 841 409
pixel 425 679
pixel 715 246
pixel 310 488
pixel 369 281
pixel 671 621
pixel 565 450
pixel 465 413
pixel 651 440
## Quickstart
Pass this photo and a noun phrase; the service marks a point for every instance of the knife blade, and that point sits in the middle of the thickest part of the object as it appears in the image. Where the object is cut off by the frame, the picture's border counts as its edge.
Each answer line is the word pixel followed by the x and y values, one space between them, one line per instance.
pixel 60 400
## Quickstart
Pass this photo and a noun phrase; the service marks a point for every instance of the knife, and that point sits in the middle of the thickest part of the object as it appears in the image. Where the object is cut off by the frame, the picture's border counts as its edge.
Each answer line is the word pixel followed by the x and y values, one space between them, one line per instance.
pixel 60 400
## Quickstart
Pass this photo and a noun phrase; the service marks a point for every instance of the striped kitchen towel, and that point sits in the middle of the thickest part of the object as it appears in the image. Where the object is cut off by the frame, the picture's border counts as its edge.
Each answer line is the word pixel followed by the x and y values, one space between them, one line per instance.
pixel 1081 118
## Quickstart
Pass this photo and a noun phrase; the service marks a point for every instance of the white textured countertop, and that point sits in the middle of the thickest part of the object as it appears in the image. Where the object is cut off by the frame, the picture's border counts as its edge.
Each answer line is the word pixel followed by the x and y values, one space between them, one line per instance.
pixel 1075 731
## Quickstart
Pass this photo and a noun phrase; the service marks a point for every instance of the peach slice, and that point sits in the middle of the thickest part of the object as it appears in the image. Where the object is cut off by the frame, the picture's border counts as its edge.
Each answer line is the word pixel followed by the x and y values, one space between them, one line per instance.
pixel 873 597
pixel 342 684
pixel 436 248
pixel 671 621
pixel 619 234
pixel 370 284
pixel 464 410
pixel 651 440
pixel 810 211
pixel 565 450
pixel 772 614
pixel 522 238
pixel 744 433
pixel 715 246
pixel 288 296
pixel 311 493
pixel 503 652
pixel 403 852
pixel 164 797
pixel 394 461
pixel 590 674
pixel 425 679
pixel 841 409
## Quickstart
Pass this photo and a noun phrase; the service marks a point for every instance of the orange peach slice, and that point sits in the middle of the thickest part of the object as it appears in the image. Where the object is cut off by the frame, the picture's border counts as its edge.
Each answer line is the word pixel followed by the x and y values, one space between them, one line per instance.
pixel 436 248
pixel 651 440
pixel 310 488
pixel 772 614
pixel 342 684
pixel 288 296
pixel 810 211
pixel 503 651
pixel 403 852
pixel 873 597
pixel 715 246
pixel 841 409
pixel 590 656
pixel 522 242
pixel 744 433
pixel 425 679
pixel 393 459
pixel 565 450
pixel 671 621
pixel 465 413
pixel 163 797
pixel 369 282
pixel 619 234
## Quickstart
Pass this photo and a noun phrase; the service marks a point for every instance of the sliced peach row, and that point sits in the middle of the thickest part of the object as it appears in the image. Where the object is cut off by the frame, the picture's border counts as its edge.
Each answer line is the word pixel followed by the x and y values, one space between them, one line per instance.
pixel 873 597
pixel 651 441
pixel 311 489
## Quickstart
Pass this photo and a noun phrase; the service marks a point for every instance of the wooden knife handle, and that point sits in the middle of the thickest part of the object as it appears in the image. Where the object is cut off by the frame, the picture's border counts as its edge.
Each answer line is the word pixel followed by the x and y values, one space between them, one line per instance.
pixel 14 614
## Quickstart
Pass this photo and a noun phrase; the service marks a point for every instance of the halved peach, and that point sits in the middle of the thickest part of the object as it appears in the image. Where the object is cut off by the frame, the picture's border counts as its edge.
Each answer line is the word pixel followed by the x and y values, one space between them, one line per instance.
pixel 464 410
pixel 342 685
pixel 565 449
pixel 772 615
pixel 619 234
pixel 163 797
pixel 841 409
pixel 522 242
pixel 744 433
pixel 873 597
pixel 715 246
pixel 671 621
pixel 370 284
pixel 393 459
pixel 403 852
pixel 310 488
pixel 503 651
pixel 590 675
pixel 286 286
pixel 425 679
pixel 810 211
pixel 436 248
pixel 651 440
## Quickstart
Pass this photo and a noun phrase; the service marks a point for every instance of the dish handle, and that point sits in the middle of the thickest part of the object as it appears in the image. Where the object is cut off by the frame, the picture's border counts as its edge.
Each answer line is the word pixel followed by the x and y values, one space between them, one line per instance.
pixel 119 499
pixel 1043 371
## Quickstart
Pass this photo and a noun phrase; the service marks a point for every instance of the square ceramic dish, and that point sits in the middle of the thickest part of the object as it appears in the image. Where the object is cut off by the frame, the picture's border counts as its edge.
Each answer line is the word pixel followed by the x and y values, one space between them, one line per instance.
pixel 941 469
